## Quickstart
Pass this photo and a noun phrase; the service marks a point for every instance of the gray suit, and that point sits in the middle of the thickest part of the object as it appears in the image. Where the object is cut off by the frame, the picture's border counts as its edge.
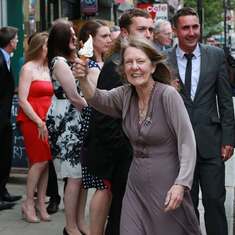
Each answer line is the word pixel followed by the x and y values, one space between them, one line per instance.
pixel 213 124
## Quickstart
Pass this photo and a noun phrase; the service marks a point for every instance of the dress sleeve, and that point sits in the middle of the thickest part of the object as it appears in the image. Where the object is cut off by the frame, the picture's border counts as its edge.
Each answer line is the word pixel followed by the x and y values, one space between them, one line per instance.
pixel 180 125
pixel 108 102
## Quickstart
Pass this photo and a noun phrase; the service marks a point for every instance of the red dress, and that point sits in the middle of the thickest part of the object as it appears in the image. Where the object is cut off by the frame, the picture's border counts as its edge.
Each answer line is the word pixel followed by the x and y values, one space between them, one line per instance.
pixel 40 94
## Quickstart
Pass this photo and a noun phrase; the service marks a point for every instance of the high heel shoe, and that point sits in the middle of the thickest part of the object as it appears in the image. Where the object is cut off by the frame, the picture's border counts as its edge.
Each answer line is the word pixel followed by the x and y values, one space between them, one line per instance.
pixel 30 218
pixel 66 233
pixel 44 217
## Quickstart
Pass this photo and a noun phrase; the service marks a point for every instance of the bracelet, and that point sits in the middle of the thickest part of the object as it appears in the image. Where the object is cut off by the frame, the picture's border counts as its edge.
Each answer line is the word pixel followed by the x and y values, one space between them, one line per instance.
pixel 41 125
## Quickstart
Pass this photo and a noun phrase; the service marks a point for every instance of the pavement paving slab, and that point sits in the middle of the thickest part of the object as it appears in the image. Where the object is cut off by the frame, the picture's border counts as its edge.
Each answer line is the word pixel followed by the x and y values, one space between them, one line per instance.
pixel 11 222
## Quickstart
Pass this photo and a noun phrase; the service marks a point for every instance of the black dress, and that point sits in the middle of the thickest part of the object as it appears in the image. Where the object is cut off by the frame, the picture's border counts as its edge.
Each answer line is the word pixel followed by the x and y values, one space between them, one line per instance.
pixel 89 179
pixel 109 153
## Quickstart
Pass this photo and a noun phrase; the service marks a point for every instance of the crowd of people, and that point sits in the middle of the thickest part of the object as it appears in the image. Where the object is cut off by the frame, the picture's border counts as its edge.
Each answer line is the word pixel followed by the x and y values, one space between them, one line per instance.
pixel 141 121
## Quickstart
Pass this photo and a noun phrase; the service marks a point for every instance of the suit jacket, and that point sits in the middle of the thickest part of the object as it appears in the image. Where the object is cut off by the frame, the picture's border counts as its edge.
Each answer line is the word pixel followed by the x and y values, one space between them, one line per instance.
pixel 6 91
pixel 106 143
pixel 211 112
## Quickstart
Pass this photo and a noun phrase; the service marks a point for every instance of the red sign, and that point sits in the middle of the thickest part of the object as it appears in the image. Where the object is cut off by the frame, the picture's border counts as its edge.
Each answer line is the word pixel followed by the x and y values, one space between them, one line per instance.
pixel 148 7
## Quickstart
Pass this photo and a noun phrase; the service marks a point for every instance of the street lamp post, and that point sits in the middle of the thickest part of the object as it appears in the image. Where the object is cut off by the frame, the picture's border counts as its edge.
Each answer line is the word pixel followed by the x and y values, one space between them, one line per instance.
pixel 200 14
pixel 225 23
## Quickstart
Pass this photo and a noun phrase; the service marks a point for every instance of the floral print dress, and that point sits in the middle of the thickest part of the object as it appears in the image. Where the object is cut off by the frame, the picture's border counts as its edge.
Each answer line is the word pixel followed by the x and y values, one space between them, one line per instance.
pixel 67 128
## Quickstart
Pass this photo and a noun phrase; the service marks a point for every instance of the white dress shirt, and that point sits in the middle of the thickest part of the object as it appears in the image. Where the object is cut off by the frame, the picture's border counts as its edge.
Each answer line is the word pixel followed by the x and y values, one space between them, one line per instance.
pixel 7 58
pixel 196 65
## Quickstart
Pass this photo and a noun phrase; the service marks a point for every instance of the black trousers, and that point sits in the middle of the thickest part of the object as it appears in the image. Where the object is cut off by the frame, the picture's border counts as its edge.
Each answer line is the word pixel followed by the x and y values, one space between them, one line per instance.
pixel 119 180
pixel 210 175
pixel 52 186
pixel 5 154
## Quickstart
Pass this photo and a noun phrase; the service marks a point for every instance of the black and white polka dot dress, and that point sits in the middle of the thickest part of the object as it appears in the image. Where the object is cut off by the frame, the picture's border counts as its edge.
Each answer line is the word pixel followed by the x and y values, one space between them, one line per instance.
pixel 89 180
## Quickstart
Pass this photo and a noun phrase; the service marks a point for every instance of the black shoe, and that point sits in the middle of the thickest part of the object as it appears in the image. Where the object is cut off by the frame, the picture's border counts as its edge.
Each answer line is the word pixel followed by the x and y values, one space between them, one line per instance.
pixel 6 205
pixel 82 232
pixel 35 195
pixel 65 232
pixel 53 205
pixel 10 198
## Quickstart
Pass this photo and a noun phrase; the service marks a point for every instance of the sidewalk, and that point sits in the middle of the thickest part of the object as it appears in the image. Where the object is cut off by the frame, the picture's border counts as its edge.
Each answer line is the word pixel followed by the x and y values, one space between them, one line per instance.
pixel 11 222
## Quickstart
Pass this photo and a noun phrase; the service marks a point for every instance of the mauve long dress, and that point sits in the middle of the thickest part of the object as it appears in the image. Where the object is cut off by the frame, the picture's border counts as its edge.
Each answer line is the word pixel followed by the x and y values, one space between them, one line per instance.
pixel 164 154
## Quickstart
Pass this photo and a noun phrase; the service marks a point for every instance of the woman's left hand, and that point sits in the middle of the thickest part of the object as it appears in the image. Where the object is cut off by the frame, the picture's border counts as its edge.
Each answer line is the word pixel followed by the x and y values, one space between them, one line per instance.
pixel 42 132
pixel 174 197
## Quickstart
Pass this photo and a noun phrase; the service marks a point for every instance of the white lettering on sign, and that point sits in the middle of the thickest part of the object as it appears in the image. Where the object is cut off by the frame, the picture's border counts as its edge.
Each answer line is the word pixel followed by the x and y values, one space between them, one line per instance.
pixel 161 10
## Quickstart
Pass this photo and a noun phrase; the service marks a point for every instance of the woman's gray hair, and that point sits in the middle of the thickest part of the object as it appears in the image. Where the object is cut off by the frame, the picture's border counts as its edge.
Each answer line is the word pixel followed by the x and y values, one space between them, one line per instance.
pixel 162 72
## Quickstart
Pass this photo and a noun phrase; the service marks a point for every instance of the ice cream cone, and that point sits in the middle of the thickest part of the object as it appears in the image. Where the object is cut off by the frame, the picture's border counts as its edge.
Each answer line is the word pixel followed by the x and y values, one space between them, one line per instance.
pixel 83 58
pixel 86 50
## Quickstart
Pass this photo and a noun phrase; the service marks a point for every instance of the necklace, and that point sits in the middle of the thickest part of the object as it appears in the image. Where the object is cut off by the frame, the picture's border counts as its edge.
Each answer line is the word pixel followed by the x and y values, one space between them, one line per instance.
pixel 143 107
pixel 142 113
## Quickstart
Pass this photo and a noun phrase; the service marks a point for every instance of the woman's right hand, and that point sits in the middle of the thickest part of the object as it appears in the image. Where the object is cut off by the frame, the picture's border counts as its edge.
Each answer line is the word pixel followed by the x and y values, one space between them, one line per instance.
pixel 82 73
pixel 174 197
pixel 42 131
pixel 80 69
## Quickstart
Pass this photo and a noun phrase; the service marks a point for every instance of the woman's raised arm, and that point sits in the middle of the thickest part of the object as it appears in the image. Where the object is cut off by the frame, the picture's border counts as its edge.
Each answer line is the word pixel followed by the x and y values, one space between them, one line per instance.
pixel 81 72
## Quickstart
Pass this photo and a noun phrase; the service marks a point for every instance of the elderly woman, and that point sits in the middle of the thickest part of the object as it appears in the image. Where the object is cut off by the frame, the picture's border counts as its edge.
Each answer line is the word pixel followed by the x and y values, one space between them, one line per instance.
pixel 157 199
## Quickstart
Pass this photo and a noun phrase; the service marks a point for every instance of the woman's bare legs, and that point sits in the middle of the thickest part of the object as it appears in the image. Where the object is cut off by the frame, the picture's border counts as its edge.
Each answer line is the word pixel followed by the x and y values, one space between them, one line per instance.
pixel 99 210
pixel 42 187
pixel 83 227
pixel 34 174
pixel 71 195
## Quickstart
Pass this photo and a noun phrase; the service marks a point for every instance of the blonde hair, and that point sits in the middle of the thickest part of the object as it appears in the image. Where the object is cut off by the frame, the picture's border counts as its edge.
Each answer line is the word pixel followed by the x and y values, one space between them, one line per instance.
pixel 162 72
pixel 35 46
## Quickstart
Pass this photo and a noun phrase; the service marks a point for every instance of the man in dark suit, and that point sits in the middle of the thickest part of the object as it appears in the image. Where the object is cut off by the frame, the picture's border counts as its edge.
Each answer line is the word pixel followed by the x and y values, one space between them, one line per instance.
pixel 8 43
pixel 205 89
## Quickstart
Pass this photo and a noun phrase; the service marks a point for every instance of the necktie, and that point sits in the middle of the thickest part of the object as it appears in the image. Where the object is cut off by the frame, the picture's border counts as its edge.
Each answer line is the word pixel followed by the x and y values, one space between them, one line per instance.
pixel 188 73
pixel 9 64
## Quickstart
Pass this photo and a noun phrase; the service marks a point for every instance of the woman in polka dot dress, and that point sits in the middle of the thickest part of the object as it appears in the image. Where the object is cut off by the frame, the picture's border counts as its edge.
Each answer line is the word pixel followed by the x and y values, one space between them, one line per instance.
pixel 101 199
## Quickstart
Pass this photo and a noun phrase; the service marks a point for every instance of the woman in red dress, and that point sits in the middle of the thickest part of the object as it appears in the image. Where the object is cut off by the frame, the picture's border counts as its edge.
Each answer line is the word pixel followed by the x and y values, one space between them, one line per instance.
pixel 35 92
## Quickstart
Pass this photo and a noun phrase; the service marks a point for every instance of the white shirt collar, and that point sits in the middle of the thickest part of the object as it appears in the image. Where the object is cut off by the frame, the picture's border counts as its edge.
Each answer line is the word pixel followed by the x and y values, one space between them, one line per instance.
pixel 6 55
pixel 180 53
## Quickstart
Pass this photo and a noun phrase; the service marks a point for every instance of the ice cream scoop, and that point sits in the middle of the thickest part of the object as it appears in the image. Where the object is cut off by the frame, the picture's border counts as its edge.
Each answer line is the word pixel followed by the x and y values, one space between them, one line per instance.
pixel 87 50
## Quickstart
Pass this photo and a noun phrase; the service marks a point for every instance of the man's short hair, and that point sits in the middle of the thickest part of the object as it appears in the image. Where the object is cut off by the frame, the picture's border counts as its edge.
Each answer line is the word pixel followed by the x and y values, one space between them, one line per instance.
pixel 159 23
pixel 185 11
pixel 6 35
pixel 126 18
